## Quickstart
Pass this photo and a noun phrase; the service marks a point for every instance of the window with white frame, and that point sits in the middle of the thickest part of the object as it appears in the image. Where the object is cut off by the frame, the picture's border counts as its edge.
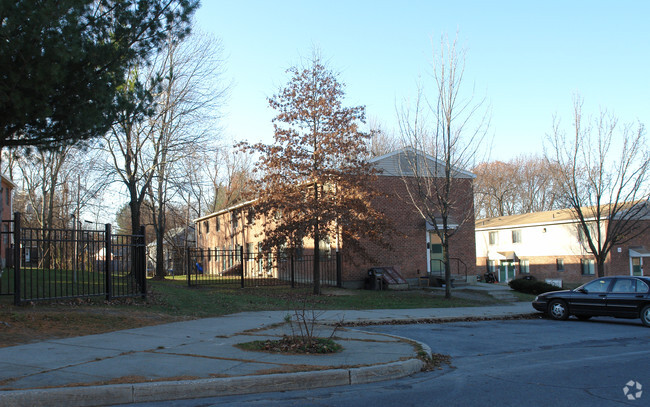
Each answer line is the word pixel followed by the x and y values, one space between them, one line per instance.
pixel 493 238
pixel 516 236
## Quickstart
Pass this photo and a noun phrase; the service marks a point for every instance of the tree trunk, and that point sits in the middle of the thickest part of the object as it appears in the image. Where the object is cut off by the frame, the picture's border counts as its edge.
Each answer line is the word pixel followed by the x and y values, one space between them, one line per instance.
pixel 600 264
pixel 316 247
pixel 160 245
pixel 445 254
pixel 317 263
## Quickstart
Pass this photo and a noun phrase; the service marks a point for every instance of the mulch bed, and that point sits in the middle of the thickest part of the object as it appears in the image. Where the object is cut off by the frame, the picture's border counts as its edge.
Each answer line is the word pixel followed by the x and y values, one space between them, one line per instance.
pixel 294 345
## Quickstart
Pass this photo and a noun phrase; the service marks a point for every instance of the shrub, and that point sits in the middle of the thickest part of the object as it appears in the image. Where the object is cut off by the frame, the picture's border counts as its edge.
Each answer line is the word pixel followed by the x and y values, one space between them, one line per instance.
pixel 531 286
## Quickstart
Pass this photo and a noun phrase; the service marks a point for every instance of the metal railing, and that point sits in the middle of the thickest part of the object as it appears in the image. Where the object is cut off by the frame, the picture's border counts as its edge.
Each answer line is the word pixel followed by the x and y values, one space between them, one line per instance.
pixel 459 271
pixel 250 269
pixel 52 264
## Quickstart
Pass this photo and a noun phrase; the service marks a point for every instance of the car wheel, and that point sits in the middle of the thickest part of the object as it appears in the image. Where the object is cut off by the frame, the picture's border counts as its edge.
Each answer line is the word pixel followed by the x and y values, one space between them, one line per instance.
pixel 583 317
pixel 558 310
pixel 645 315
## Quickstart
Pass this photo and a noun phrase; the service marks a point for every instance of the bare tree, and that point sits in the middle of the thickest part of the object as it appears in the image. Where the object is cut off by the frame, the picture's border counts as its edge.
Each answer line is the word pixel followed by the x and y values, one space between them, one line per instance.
pixel 147 152
pixel 495 189
pixel 604 178
pixel 521 185
pixel 185 121
pixel 382 141
pixel 56 186
pixel 451 128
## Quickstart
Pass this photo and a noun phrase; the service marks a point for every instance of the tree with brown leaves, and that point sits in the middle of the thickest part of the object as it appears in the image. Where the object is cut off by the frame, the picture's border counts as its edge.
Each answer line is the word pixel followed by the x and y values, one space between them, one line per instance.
pixel 314 181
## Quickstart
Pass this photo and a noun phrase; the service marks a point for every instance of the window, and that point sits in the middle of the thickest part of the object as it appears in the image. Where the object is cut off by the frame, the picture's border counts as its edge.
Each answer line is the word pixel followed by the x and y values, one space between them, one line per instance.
pixel 494 238
pixel 206 224
pixel 233 219
pixel 250 216
pixel 223 258
pixel 597 286
pixel 516 236
pixel 250 248
pixel 587 267
pixel 283 253
pixel 218 223
pixel 637 269
pixel 559 264
pixel 492 266
pixel 624 285
pixel 325 248
pixel 524 266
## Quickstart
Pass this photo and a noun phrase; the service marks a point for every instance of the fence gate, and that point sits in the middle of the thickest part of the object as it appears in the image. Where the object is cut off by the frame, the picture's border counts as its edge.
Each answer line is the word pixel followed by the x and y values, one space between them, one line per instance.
pixel 50 264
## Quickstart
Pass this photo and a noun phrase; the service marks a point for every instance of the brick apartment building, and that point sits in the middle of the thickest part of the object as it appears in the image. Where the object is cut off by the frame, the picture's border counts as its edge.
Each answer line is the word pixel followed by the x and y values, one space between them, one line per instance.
pixel 6 213
pixel 549 245
pixel 415 249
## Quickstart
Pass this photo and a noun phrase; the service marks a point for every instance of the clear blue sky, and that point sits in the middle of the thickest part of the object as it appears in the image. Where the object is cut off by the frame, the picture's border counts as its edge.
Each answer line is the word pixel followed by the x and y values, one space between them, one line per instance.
pixel 528 58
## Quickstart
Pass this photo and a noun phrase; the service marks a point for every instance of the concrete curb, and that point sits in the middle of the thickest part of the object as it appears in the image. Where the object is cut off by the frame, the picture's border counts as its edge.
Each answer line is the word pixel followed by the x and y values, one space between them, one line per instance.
pixel 437 320
pixel 187 389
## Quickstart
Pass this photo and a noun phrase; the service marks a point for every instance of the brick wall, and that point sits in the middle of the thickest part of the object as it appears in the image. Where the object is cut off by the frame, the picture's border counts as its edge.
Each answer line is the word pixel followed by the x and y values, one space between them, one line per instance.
pixel 408 240
pixel 619 261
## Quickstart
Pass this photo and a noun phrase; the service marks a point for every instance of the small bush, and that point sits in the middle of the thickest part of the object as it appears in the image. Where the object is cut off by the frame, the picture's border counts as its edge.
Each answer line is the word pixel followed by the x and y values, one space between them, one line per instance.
pixel 531 286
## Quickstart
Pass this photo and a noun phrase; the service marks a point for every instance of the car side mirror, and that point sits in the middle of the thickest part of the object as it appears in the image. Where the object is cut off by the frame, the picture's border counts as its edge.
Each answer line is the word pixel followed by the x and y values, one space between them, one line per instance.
pixel 582 290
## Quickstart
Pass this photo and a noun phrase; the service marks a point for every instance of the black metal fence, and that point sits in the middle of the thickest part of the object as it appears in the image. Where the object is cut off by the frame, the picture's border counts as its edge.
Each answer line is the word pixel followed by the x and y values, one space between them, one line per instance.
pixel 458 268
pixel 251 269
pixel 52 264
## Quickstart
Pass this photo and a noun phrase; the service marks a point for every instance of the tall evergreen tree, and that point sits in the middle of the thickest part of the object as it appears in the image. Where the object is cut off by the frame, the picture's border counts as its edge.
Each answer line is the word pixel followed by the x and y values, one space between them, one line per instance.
pixel 62 63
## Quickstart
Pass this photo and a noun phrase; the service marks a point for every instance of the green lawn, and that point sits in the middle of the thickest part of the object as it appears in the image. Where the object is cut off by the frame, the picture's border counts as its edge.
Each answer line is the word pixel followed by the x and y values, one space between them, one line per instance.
pixel 174 297
pixel 171 300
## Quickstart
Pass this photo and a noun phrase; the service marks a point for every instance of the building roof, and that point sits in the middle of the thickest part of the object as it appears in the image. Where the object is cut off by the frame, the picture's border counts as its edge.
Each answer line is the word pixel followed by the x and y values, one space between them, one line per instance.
pixel 400 163
pixel 226 210
pixel 395 163
pixel 526 219
pixel 548 217
pixel 9 181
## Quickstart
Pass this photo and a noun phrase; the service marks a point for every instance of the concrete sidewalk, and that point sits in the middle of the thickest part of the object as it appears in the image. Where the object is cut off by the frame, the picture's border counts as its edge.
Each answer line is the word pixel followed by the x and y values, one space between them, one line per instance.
pixel 198 358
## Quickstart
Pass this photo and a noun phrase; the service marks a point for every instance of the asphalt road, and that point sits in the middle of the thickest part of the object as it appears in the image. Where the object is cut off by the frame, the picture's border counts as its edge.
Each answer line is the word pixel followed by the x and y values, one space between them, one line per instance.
pixel 502 363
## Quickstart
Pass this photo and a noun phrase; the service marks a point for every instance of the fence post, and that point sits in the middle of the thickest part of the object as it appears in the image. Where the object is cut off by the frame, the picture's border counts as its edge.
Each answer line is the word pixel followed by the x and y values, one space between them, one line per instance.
pixel 188 263
pixel 108 261
pixel 339 279
pixel 142 260
pixel 17 258
pixel 293 270
pixel 241 258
